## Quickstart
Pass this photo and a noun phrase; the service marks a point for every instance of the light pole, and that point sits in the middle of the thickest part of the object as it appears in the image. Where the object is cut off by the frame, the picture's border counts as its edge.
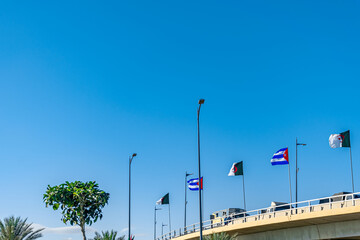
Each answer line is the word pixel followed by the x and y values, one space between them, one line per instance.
pixel 156 209
pixel 186 175
pixel 162 229
pixel 297 170
pixel 130 160
pixel 201 101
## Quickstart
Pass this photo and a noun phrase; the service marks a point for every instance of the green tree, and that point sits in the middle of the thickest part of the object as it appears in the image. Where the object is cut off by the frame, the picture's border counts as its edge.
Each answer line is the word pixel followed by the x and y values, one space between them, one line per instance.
pixel 220 236
pixel 17 229
pixel 107 236
pixel 81 203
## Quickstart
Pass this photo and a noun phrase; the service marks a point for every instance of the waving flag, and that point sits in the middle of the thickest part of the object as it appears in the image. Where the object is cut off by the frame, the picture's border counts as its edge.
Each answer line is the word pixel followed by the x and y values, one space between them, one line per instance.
pixel 340 140
pixel 281 157
pixel 194 184
pixel 163 200
pixel 236 169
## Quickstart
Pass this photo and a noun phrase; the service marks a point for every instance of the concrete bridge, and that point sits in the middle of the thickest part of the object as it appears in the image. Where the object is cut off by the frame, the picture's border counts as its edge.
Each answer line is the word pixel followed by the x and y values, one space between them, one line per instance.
pixel 327 218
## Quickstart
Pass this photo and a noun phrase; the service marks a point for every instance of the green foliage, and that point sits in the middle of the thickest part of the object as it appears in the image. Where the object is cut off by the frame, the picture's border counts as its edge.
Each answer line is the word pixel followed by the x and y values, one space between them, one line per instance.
pixel 80 203
pixel 220 236
pixel 107 236
pixel 17 229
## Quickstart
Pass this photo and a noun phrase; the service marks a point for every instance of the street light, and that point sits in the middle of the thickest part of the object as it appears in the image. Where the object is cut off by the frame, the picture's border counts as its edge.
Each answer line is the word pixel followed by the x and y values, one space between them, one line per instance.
pixel 162 229
pixel 156 209
pixel 130 160
pixel 297 170
pixel 201 101
pixel 186 175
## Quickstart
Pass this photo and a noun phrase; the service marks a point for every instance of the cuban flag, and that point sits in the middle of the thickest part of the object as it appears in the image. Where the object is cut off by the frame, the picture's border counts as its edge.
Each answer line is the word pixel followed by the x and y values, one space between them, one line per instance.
pixel 281 157
pixel 194 184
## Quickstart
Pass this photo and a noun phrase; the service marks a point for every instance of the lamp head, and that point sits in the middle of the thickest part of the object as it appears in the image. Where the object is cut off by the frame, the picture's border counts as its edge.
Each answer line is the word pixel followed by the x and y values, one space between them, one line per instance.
pixel 201 101
pixel 134 155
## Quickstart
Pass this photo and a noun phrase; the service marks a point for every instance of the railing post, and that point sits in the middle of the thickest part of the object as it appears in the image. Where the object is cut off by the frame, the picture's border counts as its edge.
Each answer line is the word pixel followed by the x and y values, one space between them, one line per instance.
pixel 353 199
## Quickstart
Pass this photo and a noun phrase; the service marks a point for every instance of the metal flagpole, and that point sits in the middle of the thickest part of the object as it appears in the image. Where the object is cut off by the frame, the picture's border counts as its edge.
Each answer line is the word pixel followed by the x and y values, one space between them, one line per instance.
pixel 352 176
pixel 244 191
pixel 169 218
pixel 289 180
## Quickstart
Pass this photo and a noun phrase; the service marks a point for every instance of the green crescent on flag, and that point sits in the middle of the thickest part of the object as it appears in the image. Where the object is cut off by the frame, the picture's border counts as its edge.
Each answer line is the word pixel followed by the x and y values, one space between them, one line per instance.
pixel 236 169
pixel 340 140
pixel 163 200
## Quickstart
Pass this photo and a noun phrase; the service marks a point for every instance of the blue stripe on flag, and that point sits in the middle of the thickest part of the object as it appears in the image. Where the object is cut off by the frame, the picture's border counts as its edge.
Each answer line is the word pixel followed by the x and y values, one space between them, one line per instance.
pixel 281 150
pixel 280 163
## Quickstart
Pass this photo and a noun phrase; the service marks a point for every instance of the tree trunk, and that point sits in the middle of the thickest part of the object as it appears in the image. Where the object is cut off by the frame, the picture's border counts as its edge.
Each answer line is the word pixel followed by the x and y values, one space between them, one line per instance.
pixel 83 230
pixel 82 220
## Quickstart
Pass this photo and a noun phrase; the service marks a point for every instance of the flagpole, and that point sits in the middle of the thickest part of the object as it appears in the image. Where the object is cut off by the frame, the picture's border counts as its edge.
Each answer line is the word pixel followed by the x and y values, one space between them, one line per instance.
pixel 169 219
pixel 290 182
pixel 352 176
pixel 244 191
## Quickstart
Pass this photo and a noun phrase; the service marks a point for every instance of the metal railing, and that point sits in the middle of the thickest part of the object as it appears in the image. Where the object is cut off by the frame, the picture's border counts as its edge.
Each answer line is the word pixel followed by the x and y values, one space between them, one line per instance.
pixel 313 205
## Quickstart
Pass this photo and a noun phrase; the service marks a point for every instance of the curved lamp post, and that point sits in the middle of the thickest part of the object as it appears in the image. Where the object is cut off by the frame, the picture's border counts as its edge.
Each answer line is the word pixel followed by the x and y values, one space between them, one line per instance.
pixel 130 160
pixel 201 101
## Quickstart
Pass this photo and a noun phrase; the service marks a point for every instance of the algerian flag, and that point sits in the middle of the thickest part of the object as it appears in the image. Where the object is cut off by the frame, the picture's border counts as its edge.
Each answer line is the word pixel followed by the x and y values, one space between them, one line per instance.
pixel 340 140
pixel 236 169
pixel 163 200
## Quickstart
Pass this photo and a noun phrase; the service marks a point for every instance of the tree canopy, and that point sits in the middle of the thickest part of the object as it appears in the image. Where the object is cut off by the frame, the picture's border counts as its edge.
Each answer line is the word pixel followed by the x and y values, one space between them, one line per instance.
pixel 17 229
pixel 220 236
pixel 108 236
pixel 81 203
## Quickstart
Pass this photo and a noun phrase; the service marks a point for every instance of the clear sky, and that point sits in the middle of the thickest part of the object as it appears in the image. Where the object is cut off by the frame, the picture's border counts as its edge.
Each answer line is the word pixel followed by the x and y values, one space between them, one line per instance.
pixel 83 84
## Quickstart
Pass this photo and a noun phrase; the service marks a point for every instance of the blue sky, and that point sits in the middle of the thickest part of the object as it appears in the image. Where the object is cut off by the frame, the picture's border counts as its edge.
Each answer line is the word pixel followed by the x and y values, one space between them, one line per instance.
pixel 85 84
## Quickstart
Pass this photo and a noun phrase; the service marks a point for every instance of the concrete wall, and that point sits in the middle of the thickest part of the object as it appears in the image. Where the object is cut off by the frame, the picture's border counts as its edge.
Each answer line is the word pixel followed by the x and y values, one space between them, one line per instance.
pixel 336 223
pixel 335 230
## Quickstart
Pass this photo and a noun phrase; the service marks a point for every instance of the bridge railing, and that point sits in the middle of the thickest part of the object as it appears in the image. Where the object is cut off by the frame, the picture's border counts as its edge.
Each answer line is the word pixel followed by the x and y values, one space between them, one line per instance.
pixel 313 205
